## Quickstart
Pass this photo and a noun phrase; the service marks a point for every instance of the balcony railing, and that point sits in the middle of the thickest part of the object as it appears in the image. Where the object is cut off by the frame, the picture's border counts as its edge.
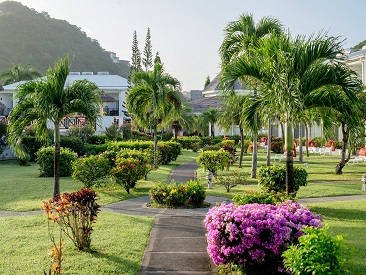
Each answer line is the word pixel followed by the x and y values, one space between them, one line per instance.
pixel 68 122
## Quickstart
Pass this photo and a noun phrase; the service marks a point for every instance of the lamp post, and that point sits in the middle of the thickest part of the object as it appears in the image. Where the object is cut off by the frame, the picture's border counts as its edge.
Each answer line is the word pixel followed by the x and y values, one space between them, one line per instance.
pixel 363 179
pixel 209 176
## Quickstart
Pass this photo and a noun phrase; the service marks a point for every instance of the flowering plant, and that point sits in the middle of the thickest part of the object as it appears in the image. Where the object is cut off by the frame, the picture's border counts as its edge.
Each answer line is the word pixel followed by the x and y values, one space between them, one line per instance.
pixel 231 179
pixel 253 236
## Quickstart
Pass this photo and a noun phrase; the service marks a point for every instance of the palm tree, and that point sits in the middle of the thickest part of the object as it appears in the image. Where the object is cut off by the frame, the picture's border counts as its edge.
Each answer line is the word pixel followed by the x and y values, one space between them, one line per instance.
pixel 51 99
pixel 232 108
pixel 181 120
pixel 152 97
pixel 294 75
pixel 211 116
pixel 240 35
pixel 18 73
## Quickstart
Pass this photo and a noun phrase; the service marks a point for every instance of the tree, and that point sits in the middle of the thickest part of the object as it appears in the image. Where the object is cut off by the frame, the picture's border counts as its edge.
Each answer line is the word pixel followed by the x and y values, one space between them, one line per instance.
pixel 51 99
pixel 211 116
pixel 136 55
pixel 18 73
pixel 147 59
pixel 180 120
pixel 157 58
pixel 207 81
pixel 154 95
pixel 232 114
pixel 295 75
pixel 239 36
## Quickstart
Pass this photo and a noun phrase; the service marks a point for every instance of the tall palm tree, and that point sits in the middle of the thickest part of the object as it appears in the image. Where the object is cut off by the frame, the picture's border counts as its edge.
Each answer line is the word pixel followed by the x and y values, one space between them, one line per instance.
pixel 152 97
pixel 51 99
pixel 295 75
pixel 181 120
pixel 18 73
pixel 232 114
pixel 241 35
pixel 211 116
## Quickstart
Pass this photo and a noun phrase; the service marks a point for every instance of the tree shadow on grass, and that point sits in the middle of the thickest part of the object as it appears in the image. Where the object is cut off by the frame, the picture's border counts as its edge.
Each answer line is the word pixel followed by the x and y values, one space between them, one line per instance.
pixel 340 214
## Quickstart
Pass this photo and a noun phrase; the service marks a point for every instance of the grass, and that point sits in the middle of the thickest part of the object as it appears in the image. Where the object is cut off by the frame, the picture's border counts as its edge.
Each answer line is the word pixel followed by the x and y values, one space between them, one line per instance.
pixel 118 244
pixel 347 218
pixel 22 189
pixel 323 182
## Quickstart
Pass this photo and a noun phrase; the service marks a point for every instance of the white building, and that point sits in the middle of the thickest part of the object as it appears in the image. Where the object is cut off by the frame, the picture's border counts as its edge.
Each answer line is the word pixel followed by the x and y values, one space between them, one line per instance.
pixel 113 86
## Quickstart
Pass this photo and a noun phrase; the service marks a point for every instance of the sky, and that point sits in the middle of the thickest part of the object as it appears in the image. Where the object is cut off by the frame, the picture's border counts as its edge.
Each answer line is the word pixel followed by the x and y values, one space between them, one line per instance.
pixel 188 33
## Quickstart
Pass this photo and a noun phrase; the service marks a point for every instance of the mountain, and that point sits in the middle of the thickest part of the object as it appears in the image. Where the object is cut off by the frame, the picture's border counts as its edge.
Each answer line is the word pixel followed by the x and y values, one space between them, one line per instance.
pixel 360 45
pixel 30 37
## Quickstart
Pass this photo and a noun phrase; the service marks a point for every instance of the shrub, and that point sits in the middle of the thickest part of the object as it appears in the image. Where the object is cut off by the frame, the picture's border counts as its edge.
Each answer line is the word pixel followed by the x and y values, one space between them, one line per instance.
pixel 145 158
pixel 91 170
pixel 83 132
pixel 166 136
pixel 228 142
pixel 196 193
pixel 253 236
pixel 110 155
pixel 126 131
pixel 138 145
pixel 31 146
pixel 168 151
pixel 319 141
pixel 73 143
pixel 246 145
pixel 45 159
pixel 273 178
pixel 3 136
pixel 127 172
pixel 95 149
pixel 175 194
pixel 316 253
pixel 189 142
pixel 232 157
pixel 113 132
pixel 251 145
pixel 211 147
pixel 231 179
pixel 23 160
pixel 277 147
pixel 261 198
pixel 97 139
pixel 213 160
pixel 75 213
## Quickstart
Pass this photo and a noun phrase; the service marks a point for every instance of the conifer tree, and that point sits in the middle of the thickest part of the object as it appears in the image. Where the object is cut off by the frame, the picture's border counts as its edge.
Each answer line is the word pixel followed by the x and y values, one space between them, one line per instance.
pixel 157 58
pixel 136 55
pixel 147 59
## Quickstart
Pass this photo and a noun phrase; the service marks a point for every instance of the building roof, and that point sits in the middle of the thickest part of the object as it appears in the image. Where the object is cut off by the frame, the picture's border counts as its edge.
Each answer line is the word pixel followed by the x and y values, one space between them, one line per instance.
pixel 205 103
pixel 103 81
pixel 215 85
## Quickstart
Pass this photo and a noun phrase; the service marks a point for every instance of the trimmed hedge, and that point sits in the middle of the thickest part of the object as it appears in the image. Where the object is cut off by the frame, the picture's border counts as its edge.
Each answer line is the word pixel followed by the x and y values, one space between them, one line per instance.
pixel 45 159
pixel 73 143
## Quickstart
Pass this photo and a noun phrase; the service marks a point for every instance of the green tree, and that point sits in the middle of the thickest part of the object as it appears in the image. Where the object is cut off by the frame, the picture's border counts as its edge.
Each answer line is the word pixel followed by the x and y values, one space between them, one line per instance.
pixel 239 36
pixel 211 116
pixel 18 73
pixel 157 58
pixel 232 114
pixel 181 120
pixel 295 75
pixel 207 81
pixel 51 99
pixel 136 55
pixel 147 59
pixel 154 95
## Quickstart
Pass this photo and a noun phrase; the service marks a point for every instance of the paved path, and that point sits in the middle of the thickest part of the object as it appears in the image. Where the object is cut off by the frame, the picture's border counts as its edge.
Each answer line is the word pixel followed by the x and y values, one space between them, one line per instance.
pixel 184 173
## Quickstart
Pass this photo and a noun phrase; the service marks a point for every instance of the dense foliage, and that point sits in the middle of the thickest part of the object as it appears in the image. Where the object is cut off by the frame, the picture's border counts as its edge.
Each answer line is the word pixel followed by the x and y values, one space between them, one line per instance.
pixel 45 159
pixel 253 236
pixel 92 170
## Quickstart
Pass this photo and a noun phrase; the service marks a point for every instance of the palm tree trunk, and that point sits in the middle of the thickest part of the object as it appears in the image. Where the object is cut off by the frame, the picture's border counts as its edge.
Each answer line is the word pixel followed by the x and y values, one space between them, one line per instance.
pixel 307 139
pixel 345 139
pixel 300 143
pixel 57 161
pixel 241 147
pixel 289 145
pixel 212 130
pixel 155 131
pixel 254 157
pixel 269 139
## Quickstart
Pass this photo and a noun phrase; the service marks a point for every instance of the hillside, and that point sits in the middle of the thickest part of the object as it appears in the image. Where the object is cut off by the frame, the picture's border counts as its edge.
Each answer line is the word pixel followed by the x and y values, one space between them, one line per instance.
pixel 29 37
pixel 360 45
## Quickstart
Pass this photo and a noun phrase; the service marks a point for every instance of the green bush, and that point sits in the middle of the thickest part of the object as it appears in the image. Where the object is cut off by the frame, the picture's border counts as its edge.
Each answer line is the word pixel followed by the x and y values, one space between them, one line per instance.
pixel 273 178
pixel 145 158
pixel 211 147
pixel 137 145
pixel 236 138
pixel 166 136
pixel 231 179
pixel 91 171
pixel 3 136
pixel 316 253
pixel 189 143
pixel 168 151
pixel 261 198
pixel 127 172
pixel 97 139
pixel 31 146
pixel 196 193
pixel 45 159
pixel 95 149
pixel 277 145
pixel 111 156
pixel 319 141
pixel 113 132
pixel 213 160
pixel 226 142
pixel 83 132
pixel 175 194
pixel 73 143
pixel 23 160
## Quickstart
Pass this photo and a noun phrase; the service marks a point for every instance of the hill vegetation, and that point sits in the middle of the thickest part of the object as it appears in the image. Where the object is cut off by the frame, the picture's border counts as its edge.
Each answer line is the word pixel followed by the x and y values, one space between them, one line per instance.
pixel 30 37
pixel 360 45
